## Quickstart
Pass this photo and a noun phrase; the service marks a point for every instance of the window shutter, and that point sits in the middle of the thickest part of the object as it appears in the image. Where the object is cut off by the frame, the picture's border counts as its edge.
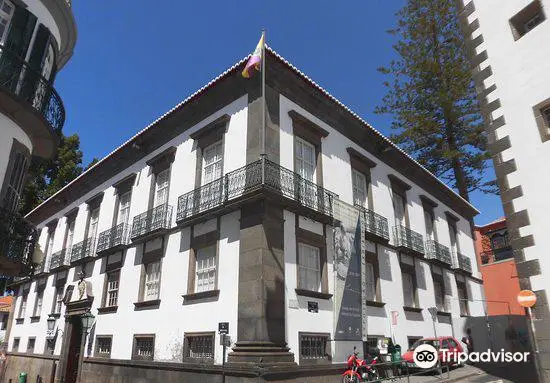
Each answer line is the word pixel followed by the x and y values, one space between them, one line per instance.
pixel 41 42
pixel 21 29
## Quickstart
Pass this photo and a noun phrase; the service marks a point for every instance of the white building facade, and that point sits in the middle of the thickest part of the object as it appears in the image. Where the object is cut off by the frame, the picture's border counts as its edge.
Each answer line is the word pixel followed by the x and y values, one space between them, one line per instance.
pixel 508 43
pixel 192 222
pixel 37 39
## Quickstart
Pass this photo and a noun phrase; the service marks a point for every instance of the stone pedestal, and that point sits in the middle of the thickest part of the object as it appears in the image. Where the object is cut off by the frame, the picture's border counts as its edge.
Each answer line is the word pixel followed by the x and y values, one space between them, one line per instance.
pixel 261 313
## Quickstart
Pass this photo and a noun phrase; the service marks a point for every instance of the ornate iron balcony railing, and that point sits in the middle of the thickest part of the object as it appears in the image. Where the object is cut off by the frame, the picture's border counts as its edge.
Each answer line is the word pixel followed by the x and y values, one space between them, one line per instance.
pixel 113 237
pixel 83 250
pixel 157 218
pixel 19 79
pixel 435 250
pixel 259 174
pixel 407 238
pixel 463 263
pixel 60 259
pixel 17 238
pixel 41 268
pixel 375 224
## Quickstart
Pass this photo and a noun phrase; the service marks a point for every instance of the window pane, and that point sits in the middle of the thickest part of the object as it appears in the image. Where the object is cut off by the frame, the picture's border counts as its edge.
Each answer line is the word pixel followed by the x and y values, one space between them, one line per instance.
pixel 205 279
pixel 408 290
pixel 152 281
pixel 162 184
pixel 371 282
pixel 309 267
pixel 359 188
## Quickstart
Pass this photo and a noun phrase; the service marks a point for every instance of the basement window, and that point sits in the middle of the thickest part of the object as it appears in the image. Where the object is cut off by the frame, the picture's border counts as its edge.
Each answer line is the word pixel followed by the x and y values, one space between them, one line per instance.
pixel 314 348
pixel 199 347
pixel 527 19
pixel 144 347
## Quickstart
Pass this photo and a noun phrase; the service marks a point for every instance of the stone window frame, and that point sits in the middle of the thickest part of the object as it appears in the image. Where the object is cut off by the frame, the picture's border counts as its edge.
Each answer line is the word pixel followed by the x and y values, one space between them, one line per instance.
pixel 372 258
pixel 70 218
pixel 363 165
pixel 461 285
pixel 518 21
pixel 141 302
pixel 327 359
pixel 186 348
pixel 315 240
pixel 104 296
pixel 17 148
pixel 204 240
pixel 134 347
pixel 207 136
pixel 543 121
pixel 400 187
pixel 411 270
pixel 97 354
pixel 441 280
pixel 157 164
pixel 29 349
pixel 428 207
pixel 15 344
pixel 93 204
pixel 312 133
pixel 125 185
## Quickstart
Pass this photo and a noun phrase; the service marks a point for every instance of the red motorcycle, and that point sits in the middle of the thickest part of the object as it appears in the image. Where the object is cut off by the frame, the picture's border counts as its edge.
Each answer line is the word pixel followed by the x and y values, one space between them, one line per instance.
pixel 360 370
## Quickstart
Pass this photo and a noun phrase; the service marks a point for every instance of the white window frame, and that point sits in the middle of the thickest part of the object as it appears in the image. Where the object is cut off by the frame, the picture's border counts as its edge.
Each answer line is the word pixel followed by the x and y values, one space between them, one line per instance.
pixel 58 299
pixel 124 203
pixel 38 303
pixel 212 160
pixel 112 288
pixel 429 221
pixel 23 305
pixel 304 165
pixel 151 281
pixel 399 208
pixel 359 184
pixel 309 273
pixel 206 268
pixel 162 187
pixel 70 235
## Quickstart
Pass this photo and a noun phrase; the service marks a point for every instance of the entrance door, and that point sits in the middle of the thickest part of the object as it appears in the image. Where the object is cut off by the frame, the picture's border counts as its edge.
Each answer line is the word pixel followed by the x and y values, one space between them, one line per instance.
pixel 73 353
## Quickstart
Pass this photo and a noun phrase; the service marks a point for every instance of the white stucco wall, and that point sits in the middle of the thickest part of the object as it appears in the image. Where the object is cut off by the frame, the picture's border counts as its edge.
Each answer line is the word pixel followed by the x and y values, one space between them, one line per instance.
pixel 9 131
pixel 520 71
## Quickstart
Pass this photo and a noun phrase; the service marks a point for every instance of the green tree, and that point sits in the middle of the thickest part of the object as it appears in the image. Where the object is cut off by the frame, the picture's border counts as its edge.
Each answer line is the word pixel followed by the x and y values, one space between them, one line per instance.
pixel 46 177
pixel 432 98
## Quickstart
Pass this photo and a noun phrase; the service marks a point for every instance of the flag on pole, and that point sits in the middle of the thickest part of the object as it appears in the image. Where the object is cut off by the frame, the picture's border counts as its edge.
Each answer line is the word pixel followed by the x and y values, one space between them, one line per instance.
pixel 255 61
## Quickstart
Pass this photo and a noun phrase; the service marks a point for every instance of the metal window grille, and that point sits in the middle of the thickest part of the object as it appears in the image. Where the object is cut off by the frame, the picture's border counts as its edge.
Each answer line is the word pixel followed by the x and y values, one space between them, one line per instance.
pixel 313 346
pixel 145 347
pixel 104 345
pixel 200 347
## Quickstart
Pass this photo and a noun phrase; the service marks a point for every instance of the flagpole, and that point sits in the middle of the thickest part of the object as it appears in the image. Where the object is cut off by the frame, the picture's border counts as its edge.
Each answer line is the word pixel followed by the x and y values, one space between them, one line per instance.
pixel 264 104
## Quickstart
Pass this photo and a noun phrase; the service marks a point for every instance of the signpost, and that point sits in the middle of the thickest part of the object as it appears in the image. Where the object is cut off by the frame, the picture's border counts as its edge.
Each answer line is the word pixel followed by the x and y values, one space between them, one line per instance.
pixel 225 340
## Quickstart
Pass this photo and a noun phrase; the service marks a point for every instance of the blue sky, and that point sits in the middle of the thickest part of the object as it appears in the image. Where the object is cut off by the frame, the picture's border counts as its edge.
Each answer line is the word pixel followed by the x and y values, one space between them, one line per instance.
pixel 134 60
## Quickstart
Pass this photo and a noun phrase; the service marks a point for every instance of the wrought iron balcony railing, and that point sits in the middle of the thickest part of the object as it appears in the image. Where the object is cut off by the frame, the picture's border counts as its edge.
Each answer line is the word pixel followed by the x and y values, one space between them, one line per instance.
pixel 60 260
pixel 113 238
pixel 375 224
pixel 19 79
pixel 435 250
pixel 41 268
pixel 407 238
pixel 259 174
pixel 17 238
pixel 152 220
pixel 84 250
pixel 463 263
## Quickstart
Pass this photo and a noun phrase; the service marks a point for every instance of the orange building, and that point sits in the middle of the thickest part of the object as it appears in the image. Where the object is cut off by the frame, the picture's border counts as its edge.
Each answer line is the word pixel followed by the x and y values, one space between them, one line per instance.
pixel 495 258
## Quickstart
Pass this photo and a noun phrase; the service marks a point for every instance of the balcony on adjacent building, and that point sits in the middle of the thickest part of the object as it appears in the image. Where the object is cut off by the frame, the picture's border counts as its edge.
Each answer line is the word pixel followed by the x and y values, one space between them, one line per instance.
pixel 492 256
pixel 41 268
pixel 261 175
pixel 17 241
pixel 463 263
pixel 112 240
pixel 32 100
pixel 438 252
pixel 60 260
pixel 153 223
pixel 376 226
pixel 407 240
pixel 83 251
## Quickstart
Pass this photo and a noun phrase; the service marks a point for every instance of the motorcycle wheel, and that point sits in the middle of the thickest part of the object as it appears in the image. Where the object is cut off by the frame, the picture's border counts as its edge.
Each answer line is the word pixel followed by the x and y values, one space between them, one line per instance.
pixel 349 379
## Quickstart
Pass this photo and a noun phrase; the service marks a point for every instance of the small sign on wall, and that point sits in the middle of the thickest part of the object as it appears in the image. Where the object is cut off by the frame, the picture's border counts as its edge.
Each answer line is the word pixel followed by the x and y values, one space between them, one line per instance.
pixel 223 327
pixel 313 307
